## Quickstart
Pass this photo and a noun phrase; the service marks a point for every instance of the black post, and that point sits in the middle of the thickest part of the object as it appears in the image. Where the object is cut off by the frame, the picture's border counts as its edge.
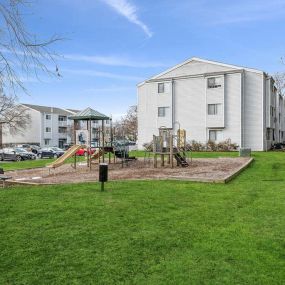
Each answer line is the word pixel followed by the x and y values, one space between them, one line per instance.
pixel 103 174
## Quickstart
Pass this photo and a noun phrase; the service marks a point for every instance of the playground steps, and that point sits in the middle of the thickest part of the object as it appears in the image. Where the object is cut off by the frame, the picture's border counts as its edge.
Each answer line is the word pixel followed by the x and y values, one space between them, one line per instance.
pixel 181 160
pixel 97 154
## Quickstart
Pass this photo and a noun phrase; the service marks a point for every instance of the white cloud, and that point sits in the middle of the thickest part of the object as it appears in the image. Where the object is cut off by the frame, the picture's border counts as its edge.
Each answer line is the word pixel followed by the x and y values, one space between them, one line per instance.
pixel 94 73
pixel 113 61
pixel 129 11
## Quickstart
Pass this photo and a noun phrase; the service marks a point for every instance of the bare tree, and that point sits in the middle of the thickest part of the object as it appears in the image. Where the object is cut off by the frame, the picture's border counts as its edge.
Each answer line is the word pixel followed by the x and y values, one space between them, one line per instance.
pixel 22 54
pixel 127 126
pixel 279 78
pixel 14 116
pixel 130 122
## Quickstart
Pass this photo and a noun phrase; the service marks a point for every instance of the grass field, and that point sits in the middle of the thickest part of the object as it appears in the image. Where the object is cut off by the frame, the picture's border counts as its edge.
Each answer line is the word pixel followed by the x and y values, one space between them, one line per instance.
pixel 152 232
pixel 27 164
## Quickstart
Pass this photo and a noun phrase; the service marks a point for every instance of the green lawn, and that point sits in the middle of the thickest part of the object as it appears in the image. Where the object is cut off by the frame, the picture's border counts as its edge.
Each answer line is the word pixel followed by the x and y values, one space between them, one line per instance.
pixel 152 232
pixel 26 164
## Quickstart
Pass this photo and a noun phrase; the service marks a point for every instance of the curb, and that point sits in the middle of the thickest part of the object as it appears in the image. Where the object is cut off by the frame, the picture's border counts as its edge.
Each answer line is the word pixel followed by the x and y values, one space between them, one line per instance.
pixel 242 168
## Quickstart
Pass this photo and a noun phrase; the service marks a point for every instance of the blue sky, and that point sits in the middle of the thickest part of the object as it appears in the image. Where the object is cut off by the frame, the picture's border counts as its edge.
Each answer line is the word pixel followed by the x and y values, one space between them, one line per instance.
pixel 111 45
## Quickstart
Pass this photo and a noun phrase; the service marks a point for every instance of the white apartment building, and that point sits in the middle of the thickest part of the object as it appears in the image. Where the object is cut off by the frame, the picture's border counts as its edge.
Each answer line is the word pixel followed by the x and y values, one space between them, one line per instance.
pixel 212 101
pixel 49 126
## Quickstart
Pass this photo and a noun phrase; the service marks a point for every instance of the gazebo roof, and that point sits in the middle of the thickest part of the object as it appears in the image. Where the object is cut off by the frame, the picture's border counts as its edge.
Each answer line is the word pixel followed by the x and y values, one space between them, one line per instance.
pixel 89 114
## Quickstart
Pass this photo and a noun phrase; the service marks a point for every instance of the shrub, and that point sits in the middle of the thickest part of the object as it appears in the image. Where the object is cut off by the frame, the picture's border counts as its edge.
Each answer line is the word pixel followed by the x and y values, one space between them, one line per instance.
pixel 227 145
pixel 195 146
pixel 211 146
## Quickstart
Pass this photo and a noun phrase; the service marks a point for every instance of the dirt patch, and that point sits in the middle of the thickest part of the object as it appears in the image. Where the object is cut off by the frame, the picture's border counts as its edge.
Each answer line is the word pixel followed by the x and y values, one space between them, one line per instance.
pixel 202 169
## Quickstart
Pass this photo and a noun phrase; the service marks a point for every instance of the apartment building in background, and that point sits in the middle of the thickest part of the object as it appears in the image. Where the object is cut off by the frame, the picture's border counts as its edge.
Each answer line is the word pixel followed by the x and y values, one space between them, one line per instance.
pixel 212 101
pixel 49 126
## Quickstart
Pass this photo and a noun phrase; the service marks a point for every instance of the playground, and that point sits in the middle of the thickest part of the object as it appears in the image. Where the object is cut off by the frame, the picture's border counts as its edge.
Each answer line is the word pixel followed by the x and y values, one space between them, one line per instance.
pixel 201 170
pixel 168 158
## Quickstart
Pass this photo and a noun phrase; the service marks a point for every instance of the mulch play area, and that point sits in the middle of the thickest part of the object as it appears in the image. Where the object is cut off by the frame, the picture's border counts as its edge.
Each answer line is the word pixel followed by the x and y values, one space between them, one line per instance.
pixel 219 170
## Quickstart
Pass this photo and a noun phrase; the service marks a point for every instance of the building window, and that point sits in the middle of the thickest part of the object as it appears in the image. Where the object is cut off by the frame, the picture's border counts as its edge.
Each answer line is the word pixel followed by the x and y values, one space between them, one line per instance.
pixel 273 135
pixel 214 109
pixel 95 121
pixel 62 130
pixel 62 118
pixel 47 141
pixel 160 87
pixel 48 117
pixel 215 135
pixel 48 129
pixel 214 82
pixel 162 111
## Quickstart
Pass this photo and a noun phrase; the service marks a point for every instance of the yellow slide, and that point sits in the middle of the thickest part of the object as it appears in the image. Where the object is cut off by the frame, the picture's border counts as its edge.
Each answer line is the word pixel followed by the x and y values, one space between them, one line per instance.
pixel 69 153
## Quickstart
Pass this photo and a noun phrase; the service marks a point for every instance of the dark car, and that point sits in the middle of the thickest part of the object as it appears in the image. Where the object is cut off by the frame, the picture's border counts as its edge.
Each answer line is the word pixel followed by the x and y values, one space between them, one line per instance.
pixel 34 149
pixel 16 154
pixel 66 146
pixel 59 151
pixel 23 151
pixel 50 152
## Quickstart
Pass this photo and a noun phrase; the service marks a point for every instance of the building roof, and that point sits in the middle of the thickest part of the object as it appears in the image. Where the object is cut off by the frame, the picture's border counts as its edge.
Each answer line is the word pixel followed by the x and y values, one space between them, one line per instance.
pixel 201 60
pixel 89 114
pixel 73 110
pixel 50 110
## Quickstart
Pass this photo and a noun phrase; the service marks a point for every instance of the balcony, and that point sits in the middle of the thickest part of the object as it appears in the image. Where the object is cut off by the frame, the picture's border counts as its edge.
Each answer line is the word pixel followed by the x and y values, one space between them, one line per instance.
pixel 62 123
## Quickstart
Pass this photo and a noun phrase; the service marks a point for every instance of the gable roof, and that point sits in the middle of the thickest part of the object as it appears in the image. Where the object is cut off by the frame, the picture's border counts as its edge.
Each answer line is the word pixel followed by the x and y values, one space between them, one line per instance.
pixel 49 110
pixel 89 114
pixel 73 110
pixel 204 61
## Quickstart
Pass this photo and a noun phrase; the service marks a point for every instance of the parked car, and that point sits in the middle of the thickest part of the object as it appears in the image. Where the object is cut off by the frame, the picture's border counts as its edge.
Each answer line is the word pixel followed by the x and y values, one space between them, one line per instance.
pixel 30 154
pixel 35 148
pixel 58 151
pixel 50 152
pixel 123 142
pixel 29 147
pixel 278 146
pixel 84 151
pixel 25 146
pixel 16 154
pixel 66 146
